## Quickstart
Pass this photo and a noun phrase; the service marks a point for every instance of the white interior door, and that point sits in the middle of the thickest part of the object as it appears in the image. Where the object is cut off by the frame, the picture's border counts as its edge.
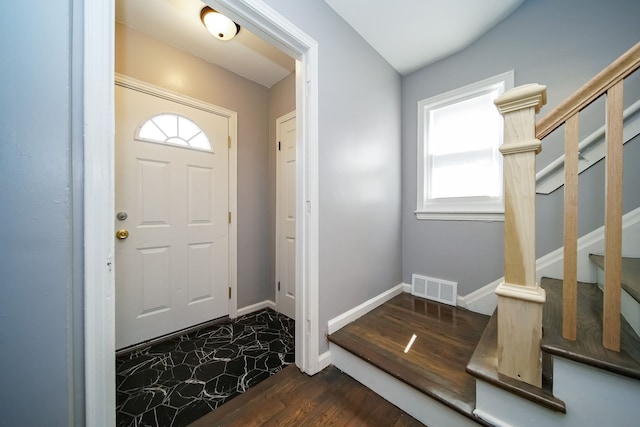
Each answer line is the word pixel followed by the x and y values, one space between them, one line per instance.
pixel 172 270
pixel 286 215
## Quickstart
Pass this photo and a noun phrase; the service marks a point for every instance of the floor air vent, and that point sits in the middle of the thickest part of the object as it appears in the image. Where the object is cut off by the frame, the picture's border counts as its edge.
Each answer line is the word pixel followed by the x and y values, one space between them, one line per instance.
pixel 434 289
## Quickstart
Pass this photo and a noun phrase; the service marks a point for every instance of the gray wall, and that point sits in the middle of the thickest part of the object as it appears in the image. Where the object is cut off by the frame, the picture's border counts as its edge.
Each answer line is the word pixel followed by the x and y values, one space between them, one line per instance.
pixel 40 236
pixel 282 100
pixel 561 44
pixel 173 69
pixel 359 162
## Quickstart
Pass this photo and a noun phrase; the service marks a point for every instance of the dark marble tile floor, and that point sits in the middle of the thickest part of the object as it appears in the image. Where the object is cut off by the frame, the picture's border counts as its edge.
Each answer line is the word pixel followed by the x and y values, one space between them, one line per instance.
pixel 175 382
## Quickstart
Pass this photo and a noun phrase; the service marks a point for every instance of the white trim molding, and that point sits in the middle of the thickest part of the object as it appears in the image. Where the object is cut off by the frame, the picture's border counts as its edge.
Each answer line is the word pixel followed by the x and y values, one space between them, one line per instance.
pixel 461 216
pixel 591 150
pixel 483 300
pixel 256 307
pixel 355 313
pixel 99 243
pixel 324 360
pixel 262 20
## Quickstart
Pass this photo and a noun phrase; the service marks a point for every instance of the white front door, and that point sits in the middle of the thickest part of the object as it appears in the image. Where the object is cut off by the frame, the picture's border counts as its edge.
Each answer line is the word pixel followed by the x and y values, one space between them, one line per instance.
pixel 172 198
pixel 286 215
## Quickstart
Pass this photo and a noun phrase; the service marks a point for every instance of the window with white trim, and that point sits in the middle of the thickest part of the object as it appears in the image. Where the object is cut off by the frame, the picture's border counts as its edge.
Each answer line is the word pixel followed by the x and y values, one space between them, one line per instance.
pixel 459 164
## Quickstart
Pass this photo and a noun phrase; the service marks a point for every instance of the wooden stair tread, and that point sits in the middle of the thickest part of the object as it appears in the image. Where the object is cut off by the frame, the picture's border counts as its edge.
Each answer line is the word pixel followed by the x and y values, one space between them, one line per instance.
pixel 588 346
pixel 484 366
pixel 630 273
pixel 435 365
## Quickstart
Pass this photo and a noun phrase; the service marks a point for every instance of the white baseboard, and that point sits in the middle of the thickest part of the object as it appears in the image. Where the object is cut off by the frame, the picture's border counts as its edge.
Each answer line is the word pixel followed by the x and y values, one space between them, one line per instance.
pixel 355 313
pixel 256 307
pixel 629 307
pixel 484 300
pixel 324 360
pixel 551 265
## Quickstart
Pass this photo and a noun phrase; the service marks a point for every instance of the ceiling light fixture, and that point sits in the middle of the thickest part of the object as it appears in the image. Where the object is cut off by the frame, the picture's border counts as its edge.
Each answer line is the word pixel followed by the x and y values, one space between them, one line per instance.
pixel 219 25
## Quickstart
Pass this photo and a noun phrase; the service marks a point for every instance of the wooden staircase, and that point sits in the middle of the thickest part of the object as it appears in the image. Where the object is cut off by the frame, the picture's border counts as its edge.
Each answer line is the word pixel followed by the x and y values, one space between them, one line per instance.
pixel 434 365
pixel 584 383
pixel 587 348
pixel 453 360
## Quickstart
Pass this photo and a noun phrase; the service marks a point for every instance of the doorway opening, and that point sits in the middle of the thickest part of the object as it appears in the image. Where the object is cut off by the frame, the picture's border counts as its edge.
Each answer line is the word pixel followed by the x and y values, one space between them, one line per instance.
pixel 99 316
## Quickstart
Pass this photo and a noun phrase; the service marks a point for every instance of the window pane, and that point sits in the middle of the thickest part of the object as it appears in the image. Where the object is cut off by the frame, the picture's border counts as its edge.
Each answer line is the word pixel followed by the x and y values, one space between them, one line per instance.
pixel 463 139
pixel 187 129
pixel 152 132
pixel 174 129
pixel 168 123
pixel 463 126
pixel 200 141
pixel 473 179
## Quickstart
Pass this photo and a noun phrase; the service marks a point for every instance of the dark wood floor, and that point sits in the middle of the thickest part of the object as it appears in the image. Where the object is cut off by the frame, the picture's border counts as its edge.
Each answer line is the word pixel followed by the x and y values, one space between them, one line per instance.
pixel 291 398
pixel 436 363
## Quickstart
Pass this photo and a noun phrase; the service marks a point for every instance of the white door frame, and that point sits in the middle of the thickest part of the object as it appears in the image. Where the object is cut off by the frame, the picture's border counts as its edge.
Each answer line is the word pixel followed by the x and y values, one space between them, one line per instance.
pixel 99 289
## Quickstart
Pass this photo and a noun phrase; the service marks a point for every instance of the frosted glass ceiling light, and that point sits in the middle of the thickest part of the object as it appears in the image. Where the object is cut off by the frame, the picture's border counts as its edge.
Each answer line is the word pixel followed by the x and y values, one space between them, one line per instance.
pixel 219 25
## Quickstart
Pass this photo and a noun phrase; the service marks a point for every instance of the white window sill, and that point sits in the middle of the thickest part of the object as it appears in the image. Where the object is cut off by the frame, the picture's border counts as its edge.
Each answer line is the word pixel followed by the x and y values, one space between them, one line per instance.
pixel 461 216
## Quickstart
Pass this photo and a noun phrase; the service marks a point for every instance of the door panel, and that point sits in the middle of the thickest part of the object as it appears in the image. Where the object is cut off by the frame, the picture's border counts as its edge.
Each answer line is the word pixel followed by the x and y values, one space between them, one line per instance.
pixel 153 201
pixel 154 265
pixel 286 216
pixel 200 271
pixel 200 195
pixel 172 270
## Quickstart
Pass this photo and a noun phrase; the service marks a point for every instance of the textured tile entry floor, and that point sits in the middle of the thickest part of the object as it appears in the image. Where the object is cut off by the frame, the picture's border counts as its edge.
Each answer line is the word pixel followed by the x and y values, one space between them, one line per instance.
pixel 175 382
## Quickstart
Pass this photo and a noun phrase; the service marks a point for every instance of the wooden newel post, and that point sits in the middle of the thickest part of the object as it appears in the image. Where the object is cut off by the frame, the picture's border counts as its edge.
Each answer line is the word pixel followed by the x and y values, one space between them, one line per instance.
pixel 520 299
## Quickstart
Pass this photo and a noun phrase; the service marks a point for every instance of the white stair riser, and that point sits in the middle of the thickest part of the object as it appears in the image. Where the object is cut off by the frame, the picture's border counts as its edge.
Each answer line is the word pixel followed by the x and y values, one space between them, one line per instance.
pixel 630 308
pixel 593 397
pixel 420 406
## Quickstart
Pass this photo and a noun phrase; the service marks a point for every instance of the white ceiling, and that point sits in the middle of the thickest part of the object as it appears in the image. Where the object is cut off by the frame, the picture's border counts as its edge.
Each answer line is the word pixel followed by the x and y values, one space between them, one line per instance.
pixel 177 23
pixel 409 34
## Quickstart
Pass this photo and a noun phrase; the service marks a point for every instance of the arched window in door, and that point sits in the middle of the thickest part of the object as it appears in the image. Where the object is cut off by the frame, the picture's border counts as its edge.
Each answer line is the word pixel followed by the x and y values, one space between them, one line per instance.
pixel 174 129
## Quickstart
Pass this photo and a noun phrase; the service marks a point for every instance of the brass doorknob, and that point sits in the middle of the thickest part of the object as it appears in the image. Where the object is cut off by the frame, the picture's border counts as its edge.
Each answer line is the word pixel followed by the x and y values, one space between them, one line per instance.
pixel 122 234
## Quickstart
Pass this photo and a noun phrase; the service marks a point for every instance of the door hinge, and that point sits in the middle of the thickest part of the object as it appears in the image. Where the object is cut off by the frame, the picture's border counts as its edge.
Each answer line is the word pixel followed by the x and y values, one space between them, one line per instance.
pixel 229 217
pixel 278 145
pixel 229 141
pixel 229 292
pixel 278 286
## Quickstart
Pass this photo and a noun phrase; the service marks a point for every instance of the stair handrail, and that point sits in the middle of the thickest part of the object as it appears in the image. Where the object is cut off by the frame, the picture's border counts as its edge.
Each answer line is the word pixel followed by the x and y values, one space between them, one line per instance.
pixel 617 71
pixel 609 81
pixel 520 298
